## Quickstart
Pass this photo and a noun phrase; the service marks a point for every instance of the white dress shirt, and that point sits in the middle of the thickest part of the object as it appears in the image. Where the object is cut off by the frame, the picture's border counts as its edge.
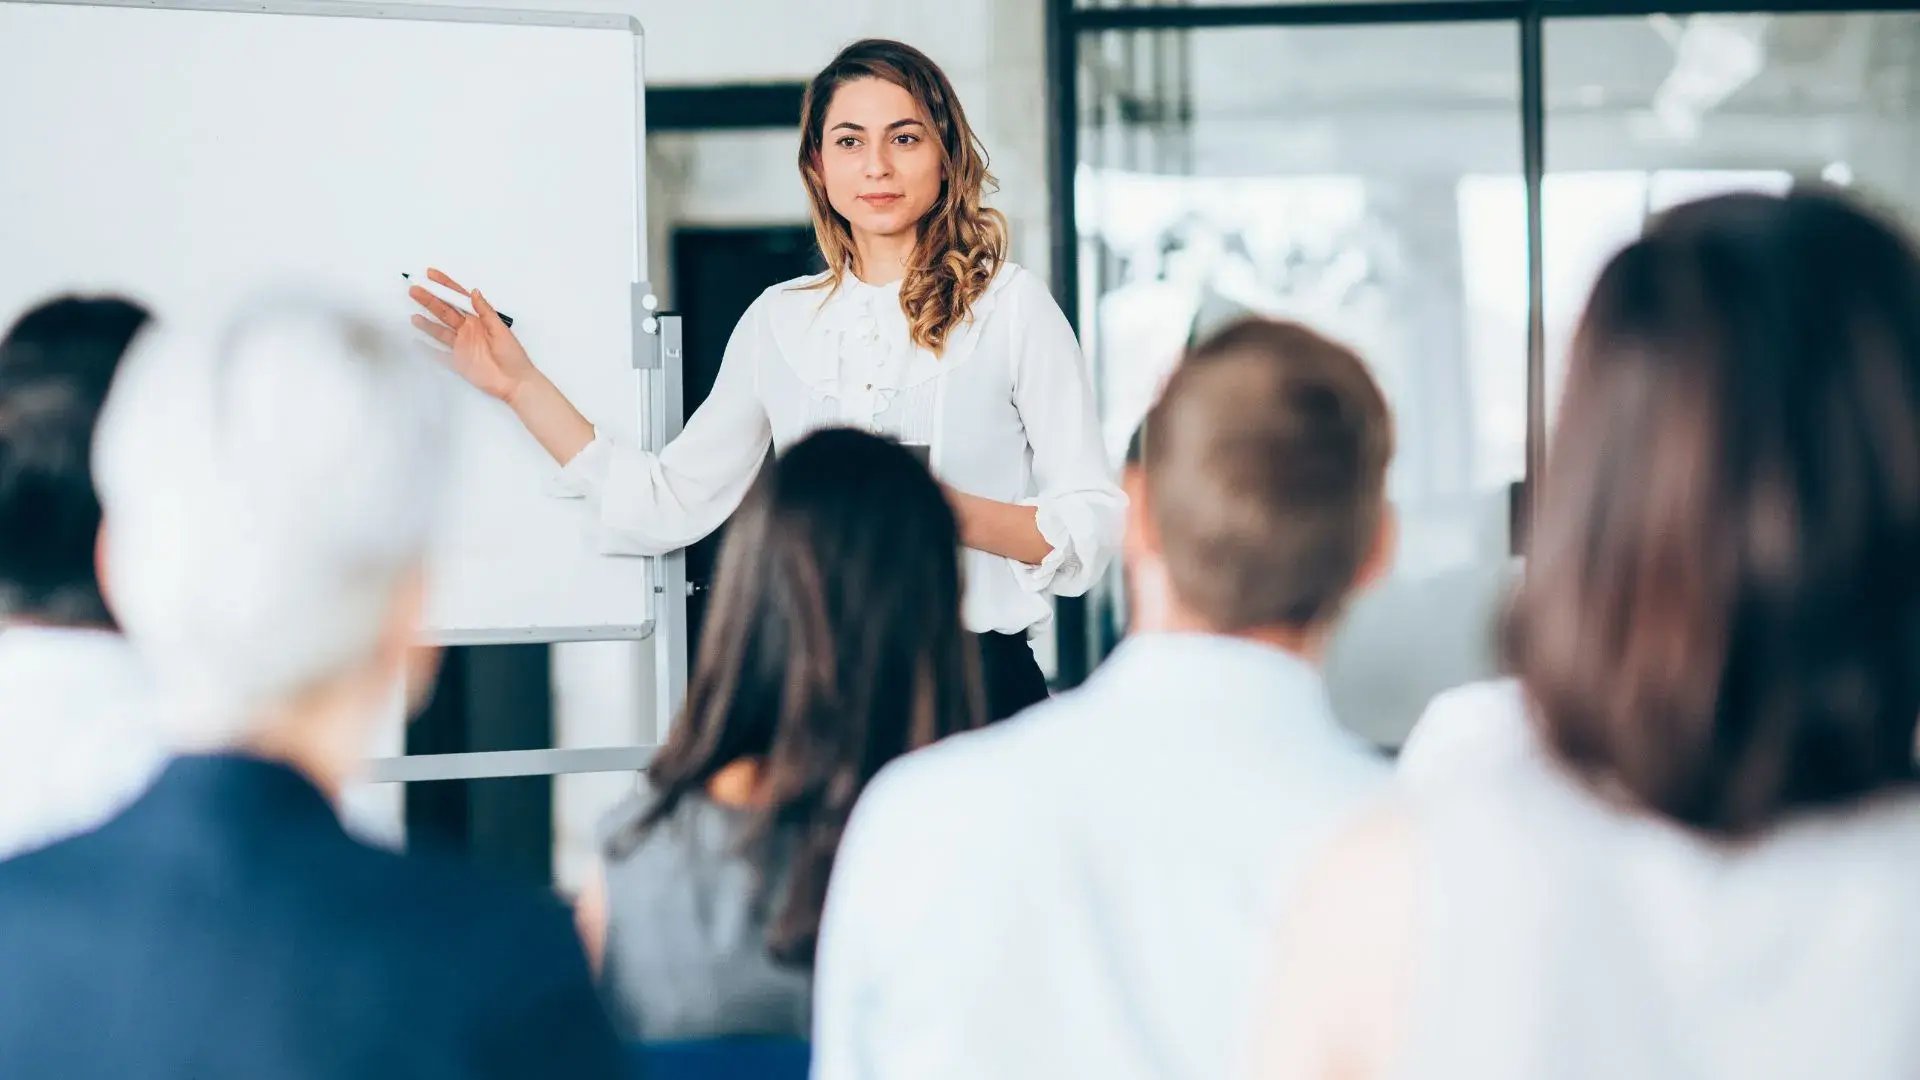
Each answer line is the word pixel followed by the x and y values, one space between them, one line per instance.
pixel 1089 889
pixel 1007 412
pixel 1567 936
pixel 75 747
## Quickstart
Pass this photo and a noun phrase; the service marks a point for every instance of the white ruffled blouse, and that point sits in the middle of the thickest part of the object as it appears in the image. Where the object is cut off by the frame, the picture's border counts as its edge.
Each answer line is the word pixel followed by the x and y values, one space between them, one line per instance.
pixel 1007 412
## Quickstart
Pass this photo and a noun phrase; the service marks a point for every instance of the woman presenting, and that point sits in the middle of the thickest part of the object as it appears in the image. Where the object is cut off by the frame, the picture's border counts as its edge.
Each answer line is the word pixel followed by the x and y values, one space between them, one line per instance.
pixel 921 329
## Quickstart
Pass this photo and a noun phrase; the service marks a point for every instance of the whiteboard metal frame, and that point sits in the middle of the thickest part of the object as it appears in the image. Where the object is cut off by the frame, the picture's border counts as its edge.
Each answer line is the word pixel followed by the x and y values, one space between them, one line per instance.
pixel 356 9
pixel 543 635
pixel 498 763
pixel 663 417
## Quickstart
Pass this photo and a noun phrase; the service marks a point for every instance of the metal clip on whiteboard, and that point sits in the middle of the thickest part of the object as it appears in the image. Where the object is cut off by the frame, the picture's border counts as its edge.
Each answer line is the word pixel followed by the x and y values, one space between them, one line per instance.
pixel 657 351
pixel 646 327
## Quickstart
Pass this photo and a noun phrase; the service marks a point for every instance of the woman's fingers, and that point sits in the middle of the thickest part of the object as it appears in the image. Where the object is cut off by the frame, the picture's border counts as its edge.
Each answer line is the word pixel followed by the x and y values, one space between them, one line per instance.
pixel 484 309
pixel 434 330
pixel 445 312
pixel 440 277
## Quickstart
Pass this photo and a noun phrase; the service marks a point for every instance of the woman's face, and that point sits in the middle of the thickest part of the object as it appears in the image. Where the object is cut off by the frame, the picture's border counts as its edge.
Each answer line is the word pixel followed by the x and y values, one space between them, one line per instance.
pixel 878 158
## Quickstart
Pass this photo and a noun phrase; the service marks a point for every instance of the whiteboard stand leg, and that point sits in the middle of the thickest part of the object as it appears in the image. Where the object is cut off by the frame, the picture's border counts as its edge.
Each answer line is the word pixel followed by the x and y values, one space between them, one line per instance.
pixel 670 645
pixel 665 409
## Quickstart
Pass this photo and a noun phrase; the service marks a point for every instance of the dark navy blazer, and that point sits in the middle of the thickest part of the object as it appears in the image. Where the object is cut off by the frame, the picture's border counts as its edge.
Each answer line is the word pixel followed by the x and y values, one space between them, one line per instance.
pixel 225 927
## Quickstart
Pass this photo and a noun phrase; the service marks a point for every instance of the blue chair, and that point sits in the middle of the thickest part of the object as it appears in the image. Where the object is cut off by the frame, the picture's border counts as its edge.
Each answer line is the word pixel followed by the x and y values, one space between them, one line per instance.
pixel 742 1057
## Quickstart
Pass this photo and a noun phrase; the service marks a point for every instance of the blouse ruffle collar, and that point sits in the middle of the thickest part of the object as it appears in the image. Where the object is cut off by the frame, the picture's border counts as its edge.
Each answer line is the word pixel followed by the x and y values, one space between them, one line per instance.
pixel 861 322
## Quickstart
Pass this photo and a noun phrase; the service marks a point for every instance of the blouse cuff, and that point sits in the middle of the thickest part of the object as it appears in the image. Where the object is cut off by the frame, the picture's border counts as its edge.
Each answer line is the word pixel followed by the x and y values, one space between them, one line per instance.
pixel 586 475
pixel 1062 571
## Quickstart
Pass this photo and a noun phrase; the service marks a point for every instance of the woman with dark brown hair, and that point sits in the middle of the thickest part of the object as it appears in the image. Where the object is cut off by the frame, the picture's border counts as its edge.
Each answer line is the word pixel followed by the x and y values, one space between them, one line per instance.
pixel 1706 860
pixel 835 646
pixel 921 328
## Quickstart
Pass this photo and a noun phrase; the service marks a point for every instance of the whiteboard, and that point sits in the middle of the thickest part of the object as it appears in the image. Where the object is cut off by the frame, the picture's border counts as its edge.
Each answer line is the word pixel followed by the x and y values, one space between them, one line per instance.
pixel 190 154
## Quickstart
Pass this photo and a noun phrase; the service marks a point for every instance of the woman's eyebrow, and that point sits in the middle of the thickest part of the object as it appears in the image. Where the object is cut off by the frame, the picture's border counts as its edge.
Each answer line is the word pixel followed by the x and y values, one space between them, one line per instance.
pixel 895 126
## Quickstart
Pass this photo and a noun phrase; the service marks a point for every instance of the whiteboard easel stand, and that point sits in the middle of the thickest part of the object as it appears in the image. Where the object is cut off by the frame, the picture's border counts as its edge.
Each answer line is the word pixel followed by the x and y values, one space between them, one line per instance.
pixel 666 405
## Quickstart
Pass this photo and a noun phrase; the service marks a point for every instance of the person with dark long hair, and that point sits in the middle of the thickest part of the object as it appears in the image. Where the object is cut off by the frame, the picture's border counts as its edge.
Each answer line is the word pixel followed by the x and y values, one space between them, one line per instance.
pixel 921 328
pixel 1703 863
pixel 74 749
pixel 834 646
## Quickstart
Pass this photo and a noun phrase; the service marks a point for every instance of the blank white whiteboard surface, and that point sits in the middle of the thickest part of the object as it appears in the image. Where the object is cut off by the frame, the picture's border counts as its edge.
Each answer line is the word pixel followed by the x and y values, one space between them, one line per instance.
pixel 190 155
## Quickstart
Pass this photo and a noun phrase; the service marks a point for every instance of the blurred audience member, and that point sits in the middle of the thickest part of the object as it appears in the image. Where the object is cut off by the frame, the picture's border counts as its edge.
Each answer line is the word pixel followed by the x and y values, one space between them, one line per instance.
pixel 268 493
pixel 73 749
pixel 1681 843
pixel 1083 890
pixel 834 646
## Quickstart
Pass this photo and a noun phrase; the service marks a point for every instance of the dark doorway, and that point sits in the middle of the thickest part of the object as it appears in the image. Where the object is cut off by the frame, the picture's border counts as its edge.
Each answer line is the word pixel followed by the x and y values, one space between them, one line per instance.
pixel 487 697
pixel 717 274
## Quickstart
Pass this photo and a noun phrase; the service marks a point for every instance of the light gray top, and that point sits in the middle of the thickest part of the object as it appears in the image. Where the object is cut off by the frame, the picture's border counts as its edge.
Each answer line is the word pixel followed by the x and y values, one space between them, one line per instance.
pixel 686 953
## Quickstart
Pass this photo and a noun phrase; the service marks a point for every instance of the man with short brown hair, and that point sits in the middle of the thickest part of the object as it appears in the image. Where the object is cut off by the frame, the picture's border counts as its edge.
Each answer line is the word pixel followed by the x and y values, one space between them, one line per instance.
pixel 1085 890
pixel 1263 479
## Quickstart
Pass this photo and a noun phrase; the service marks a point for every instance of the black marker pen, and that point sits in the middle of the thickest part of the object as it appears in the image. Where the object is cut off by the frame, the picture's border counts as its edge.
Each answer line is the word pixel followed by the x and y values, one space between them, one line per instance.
pixel 505 318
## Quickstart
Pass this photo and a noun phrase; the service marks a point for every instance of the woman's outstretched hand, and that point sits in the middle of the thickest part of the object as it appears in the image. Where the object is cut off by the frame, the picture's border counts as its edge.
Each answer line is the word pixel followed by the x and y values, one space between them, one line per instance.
pixel 483 351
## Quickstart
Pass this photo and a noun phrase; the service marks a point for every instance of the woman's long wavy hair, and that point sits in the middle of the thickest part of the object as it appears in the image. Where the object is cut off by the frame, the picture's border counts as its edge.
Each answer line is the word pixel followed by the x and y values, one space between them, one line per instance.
pixel 833 646
pixel 961 243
